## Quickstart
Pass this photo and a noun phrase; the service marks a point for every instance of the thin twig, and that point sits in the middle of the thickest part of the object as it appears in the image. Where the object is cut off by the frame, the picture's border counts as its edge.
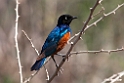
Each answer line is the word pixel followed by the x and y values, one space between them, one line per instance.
pixel 114 78
pixel 104 15
pixel 114 10
pixel 48 77
pixel 31 42
pixel 33 45
pixel 100 51
pixel 16 41
pixel 32 75
pixel 94 52
pixel 97 21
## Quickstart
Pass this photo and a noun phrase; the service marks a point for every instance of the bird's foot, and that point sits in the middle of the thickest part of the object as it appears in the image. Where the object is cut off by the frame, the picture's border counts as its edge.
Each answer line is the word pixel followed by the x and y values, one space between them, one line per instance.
pixel 65 57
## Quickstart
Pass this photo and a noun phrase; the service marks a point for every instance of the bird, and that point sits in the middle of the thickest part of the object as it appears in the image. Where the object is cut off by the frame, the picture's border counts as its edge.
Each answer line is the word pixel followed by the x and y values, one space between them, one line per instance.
pixel 55 41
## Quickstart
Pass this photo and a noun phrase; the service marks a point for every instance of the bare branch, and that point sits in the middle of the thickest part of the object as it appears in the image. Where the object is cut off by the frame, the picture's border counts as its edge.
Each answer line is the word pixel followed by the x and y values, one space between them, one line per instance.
pixel 32 75
pixel 16 41
pixel 96 52
pixel 30 42
pixel 113 12
pixel 98 20
pixel 48 77
pixel 114 78
pixel 104 15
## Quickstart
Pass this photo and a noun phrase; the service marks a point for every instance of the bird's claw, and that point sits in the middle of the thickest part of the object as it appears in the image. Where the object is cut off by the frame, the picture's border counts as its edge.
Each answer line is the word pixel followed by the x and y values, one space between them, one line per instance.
pixel 64 57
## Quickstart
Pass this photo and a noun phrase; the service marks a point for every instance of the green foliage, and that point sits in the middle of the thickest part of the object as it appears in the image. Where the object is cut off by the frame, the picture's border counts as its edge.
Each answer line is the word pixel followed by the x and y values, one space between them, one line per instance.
pixel 7 79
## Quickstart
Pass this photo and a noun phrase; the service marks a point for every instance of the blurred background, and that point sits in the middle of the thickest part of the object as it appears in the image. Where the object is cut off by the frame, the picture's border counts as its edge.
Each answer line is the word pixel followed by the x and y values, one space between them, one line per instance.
pixel 38 18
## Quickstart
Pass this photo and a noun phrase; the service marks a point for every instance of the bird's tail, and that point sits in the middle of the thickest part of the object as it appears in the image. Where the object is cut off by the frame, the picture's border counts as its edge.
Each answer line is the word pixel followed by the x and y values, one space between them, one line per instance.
pixel 38 64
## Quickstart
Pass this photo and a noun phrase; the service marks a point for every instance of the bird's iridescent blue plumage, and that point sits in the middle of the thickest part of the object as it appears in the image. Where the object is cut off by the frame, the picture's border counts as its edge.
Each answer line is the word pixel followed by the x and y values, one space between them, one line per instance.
pixel 50 45
pixel 53 38
pixel 55 41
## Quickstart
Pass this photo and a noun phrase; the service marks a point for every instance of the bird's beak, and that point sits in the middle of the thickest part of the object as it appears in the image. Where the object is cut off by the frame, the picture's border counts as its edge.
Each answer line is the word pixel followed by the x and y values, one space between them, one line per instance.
pixel 74 17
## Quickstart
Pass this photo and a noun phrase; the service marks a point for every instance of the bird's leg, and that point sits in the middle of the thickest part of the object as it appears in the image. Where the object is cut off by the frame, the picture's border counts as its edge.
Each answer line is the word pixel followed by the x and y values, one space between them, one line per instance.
pixel 55 62
pixel 57 66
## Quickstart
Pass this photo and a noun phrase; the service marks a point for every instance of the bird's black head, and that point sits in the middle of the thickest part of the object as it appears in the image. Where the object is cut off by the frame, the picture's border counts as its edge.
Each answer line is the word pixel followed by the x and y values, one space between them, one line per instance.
pixel 65 19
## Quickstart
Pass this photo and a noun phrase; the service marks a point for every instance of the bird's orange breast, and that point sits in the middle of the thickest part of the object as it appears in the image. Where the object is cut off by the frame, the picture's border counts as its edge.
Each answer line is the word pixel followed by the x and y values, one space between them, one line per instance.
pixel 63 41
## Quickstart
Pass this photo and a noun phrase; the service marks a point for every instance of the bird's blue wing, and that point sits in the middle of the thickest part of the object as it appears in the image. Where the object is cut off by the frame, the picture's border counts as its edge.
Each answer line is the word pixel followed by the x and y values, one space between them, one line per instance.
pixel 53 38
pixel 50 44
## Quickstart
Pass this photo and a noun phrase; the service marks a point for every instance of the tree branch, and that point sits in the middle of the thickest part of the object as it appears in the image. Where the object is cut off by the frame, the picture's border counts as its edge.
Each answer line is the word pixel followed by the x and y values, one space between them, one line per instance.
pixel 31 42
pixel 104 15
pixel 98 20
pixel 94 52
pixel 114 78
pixel 100 51
pixel 29 78
pixel 16 41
